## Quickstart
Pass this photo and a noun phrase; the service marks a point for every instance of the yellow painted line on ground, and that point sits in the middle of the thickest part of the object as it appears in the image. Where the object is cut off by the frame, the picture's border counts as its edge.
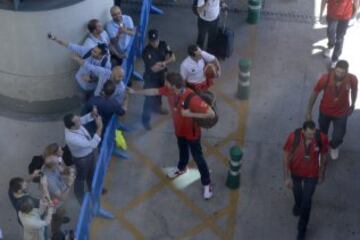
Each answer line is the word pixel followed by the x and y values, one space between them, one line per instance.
pixel 231 221
pixel 203 225
pixel 135 202
pixel 180 194
pixel 214 151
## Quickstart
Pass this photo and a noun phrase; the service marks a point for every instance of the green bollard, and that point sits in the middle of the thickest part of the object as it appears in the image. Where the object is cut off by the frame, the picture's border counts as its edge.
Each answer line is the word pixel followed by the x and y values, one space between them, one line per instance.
pixel 233 178
pixel 254 7
pixel 243 91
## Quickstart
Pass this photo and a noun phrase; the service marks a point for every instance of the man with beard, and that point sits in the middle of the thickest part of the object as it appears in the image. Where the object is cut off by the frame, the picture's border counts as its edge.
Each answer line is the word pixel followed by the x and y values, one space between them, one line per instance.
pixel 335 106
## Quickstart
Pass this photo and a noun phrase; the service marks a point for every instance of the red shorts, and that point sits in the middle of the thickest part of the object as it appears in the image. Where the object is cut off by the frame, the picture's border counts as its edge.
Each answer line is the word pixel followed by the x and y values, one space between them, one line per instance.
pixel 203 86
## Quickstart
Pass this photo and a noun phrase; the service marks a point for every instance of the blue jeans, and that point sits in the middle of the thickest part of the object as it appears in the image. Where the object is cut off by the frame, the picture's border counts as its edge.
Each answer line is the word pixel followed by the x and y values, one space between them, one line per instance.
pixel 336 30
pixel 339 125
pixel 196 151
pixel 303 190
pixel 85 168
pixel 151 104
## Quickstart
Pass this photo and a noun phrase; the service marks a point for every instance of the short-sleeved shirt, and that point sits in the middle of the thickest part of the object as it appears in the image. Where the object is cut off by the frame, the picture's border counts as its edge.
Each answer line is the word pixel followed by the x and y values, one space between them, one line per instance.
pixel 106 107
pixel 213 11
pixel 55 182
pixel 112 28
pixel 15 202
pixel 82 51
pixel 193 71
pixel 301 166
pixel 340 9
pixel 150 56
pixel 335 101
pixel 185 127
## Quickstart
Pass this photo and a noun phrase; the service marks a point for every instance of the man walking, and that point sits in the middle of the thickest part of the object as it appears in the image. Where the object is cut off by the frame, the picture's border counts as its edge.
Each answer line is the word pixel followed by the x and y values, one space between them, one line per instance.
pixel 339 13
pixel 335 106
pixel 156 56
pixel 187 131
pixel 305 154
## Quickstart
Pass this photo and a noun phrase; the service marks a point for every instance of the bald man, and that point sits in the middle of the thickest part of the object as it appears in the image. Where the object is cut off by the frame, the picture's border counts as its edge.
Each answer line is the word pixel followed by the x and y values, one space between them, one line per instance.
pixel 120 30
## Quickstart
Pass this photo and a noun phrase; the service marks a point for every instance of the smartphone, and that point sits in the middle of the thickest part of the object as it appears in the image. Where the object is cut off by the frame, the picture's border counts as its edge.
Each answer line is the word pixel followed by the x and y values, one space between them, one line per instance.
pixel 51 36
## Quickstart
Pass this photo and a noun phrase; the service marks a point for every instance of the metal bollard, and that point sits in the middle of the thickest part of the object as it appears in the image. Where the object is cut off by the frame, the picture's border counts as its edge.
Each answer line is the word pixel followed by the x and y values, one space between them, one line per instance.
pixel 244 79
pixel 254 7
pixel 233 178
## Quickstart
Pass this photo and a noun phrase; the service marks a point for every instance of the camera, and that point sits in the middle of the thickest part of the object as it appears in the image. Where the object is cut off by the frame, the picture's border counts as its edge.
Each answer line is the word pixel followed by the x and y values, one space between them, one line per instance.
pixel 51 36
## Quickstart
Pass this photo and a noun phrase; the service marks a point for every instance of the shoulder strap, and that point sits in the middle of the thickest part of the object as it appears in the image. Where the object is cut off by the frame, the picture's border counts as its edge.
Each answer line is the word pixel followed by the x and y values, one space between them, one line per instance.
pixel 86 55
pixel 318 138
pixel 296 141
pixel 104 61
pixel 188 99
pixel 327 81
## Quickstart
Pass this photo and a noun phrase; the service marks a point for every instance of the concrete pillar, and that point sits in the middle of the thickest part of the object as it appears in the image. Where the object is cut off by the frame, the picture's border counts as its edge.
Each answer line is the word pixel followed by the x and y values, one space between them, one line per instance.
pixel 36 75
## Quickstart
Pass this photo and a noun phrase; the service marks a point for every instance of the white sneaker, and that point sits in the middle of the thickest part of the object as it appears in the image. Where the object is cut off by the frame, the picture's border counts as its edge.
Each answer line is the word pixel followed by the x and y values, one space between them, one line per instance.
pixel 328 52
pixel 208 192
pixel 334 153
pixel 175 173
pixel 333 64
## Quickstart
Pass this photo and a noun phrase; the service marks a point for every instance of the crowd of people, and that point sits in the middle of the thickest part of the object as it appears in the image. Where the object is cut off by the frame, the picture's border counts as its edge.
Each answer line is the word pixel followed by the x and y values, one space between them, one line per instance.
pixel 100 80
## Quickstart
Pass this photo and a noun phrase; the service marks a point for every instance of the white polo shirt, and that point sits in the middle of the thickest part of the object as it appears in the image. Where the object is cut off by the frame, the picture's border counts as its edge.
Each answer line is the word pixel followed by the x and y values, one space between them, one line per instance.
pixel 212 12
pixel 192 71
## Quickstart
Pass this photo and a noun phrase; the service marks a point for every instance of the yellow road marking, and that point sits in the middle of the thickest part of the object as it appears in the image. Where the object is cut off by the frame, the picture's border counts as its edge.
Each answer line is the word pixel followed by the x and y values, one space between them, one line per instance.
pixel 181 195
pixel 201 226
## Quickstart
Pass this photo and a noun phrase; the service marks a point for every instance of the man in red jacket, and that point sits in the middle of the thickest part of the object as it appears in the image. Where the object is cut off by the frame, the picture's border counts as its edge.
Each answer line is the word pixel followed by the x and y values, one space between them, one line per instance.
pixel 305 154
pixel 335 106
pixel 339 13
pixel 187 131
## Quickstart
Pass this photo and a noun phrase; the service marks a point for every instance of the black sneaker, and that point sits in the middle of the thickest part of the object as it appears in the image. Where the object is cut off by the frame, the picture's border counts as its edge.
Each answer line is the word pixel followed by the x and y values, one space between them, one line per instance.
pixel 66 220
pixel 147 126
pixel 296 211
pixel 301 235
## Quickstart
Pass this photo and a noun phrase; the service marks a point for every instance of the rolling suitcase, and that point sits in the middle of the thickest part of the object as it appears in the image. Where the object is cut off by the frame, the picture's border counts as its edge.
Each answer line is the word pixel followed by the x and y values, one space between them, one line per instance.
pixel 224 40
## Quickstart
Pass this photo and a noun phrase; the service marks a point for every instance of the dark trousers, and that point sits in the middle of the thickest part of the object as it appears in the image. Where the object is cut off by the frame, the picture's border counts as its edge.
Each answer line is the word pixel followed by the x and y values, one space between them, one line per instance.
pixel 196 152
pixel 336 30
pixel 57 220
pixel 207 28
pixel 85 168
pixel 117 3
pixel 151 104
pixel 339 125
pixel 303 191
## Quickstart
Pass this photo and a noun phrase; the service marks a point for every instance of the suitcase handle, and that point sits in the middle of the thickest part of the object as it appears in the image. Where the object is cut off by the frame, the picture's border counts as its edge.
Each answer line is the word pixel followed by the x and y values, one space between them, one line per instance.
pixel 224 18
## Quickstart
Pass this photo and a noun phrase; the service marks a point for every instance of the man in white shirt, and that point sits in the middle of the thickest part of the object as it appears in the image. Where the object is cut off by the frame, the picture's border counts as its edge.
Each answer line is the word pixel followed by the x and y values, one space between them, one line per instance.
pixel 208 18
pixel 120 30
pixel 116 75
pixel 83 148
pixel 192 68
pixel 98 56
pixel 98 35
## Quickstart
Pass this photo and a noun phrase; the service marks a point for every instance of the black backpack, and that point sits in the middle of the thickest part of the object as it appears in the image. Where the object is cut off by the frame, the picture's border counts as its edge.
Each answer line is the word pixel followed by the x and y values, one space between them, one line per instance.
pixel 296 142
pixel 194 7
pixel 210 99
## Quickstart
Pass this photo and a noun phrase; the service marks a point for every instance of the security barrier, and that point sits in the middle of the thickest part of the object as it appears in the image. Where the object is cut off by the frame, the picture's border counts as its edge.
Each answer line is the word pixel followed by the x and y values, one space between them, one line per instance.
pixel 91 206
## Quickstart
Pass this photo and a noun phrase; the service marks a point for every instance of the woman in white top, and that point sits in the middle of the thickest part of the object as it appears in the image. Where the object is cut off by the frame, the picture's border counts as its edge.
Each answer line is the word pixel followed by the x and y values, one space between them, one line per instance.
pixel 30 217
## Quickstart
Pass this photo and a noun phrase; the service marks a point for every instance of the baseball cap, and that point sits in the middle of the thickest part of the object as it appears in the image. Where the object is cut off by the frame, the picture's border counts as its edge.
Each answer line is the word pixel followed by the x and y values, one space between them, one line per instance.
pixel 153 34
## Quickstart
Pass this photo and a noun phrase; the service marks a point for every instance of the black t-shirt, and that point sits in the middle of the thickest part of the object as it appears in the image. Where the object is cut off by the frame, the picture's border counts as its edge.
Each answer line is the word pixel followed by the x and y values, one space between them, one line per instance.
pixel 150 56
